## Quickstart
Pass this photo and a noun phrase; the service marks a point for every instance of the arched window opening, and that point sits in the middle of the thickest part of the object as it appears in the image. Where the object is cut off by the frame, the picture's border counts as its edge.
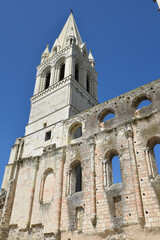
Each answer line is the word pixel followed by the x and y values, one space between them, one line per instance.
pixel 106 115
pixel 153 156
pixel 71 41
pixel 47 187
pixel 157 156
pixel 61 73
pixel 77 72
pixel 78 172
pixel 88 84
pixel 55 50
pixel 47 81
pixel 112 169
pixel 116 170
pixel 75 131
pixel 74 181
pixel 144 103
pixel 78 132
pixel 141 101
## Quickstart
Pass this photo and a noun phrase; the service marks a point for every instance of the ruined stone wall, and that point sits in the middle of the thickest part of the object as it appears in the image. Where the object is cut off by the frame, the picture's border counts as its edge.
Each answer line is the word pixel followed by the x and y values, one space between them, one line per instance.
pixel 46 205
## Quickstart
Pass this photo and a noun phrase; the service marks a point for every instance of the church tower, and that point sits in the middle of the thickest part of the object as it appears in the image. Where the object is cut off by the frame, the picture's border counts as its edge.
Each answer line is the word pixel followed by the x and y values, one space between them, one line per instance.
pixel 66 81
pixel 60 181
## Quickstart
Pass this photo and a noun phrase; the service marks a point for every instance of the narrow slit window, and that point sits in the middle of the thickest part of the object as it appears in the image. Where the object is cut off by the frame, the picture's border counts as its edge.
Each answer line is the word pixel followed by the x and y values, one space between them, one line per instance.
pixel 77 72
pixel 78 172
pixel 88 84
pixel 48 136
pixel 116 170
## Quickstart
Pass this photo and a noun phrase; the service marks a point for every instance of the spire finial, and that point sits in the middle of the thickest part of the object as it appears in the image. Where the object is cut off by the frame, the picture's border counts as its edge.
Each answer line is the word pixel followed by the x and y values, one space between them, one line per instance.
pixel 71 10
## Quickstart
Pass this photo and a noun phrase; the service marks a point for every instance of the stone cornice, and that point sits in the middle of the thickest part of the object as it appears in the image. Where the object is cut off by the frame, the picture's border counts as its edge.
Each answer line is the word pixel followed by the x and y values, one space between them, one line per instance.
pixel 63 83
pixel 49 90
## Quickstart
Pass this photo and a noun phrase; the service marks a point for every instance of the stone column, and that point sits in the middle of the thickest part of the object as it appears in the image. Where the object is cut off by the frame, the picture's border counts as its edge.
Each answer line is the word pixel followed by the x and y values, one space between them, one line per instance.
pixel 148 166
pixel 150 158
pixel 52 79
pixel 104 174
pixel 135 177
pixel 69 182
pixel 19 155
pixel 92 183
pixel 58 196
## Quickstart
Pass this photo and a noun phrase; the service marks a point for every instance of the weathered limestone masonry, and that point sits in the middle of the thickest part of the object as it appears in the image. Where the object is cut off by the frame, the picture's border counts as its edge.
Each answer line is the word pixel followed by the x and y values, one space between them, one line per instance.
pixel 58 183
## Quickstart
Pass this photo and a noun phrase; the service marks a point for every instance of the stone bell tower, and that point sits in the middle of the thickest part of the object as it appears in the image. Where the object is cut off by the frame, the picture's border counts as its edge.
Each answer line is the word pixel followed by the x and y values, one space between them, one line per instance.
pixel 66 81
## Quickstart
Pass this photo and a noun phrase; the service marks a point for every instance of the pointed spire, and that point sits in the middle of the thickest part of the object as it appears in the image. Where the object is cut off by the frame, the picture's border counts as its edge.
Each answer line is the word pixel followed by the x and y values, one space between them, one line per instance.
pixel 45 54
pixel 158 2
pixel 69 30
pixel 46 51
pixel 91 59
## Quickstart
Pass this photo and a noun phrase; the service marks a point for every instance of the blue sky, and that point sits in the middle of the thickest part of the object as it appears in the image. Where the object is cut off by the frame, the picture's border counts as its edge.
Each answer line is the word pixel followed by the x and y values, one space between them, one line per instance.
pixel 123 35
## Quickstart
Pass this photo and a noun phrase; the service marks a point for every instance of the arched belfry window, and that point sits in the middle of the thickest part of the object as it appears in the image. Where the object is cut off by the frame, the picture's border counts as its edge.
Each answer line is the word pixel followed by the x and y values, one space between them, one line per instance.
pixel 77 72
pixel 74 181
pixel 88 87
pixel 61 72
pixel 112 169
pixel 47 80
